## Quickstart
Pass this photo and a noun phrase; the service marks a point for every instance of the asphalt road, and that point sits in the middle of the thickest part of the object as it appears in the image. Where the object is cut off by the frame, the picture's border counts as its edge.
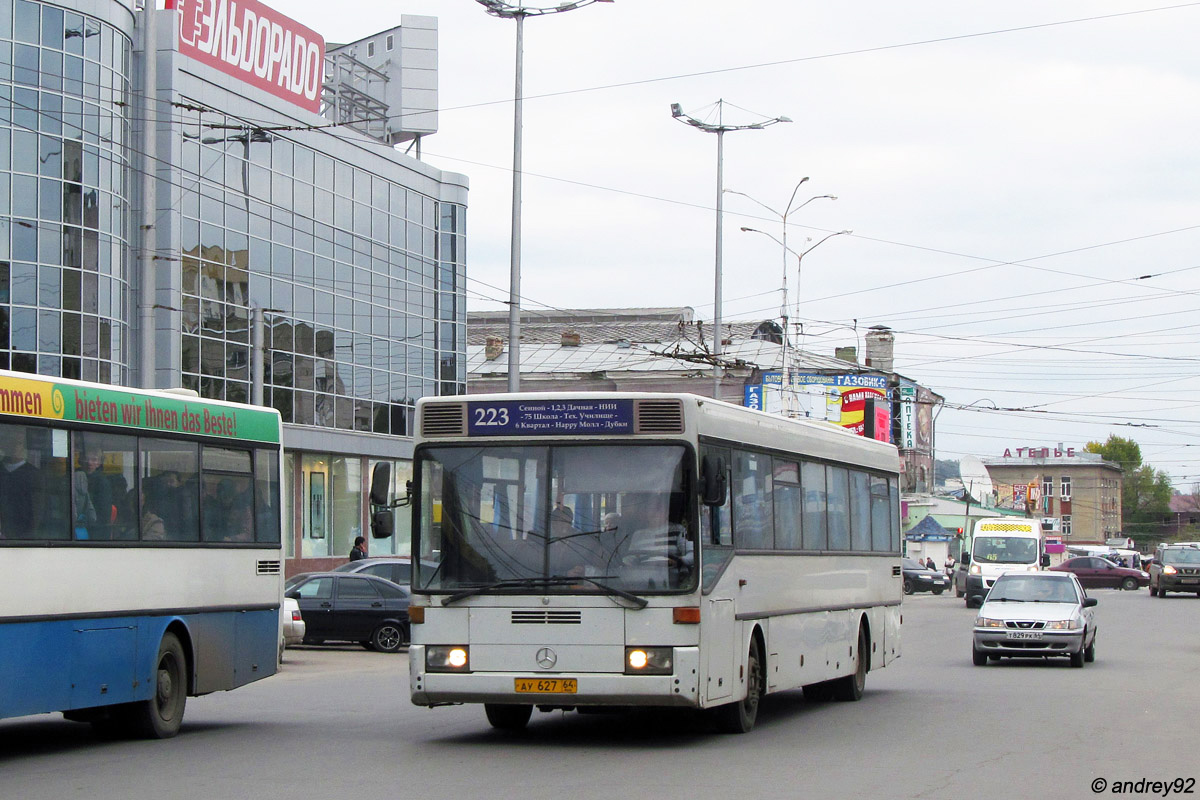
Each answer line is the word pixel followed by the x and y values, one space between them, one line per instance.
pixel 336 723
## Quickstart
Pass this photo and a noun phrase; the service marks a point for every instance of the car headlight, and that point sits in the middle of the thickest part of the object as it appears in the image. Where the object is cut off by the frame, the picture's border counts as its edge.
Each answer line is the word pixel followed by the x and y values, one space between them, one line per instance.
pixel 447 658
pixel 649 660
pixel 975 569
pixel 1145 574
pixel 924 577
pixel 1169 570
pixel 1072 624
pixel 988 622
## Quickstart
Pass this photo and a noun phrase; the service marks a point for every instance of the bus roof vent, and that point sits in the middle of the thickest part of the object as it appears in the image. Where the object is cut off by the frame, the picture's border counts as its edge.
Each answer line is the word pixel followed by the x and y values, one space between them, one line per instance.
pixel 449 419
pixel 658 416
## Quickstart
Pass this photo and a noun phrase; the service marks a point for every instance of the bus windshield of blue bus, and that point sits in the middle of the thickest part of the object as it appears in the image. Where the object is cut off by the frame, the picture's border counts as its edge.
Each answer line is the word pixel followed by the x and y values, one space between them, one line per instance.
pixel 520 519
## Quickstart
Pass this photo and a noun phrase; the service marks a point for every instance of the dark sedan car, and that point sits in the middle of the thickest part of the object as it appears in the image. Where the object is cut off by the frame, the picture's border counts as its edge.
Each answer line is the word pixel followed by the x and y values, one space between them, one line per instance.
pixel 1100 573
pixel 920 578
pixel 351 608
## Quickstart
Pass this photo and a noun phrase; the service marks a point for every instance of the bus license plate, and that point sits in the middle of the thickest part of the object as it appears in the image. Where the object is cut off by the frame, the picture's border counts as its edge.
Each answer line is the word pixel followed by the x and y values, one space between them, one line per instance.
pixel 1024 634
pixel 546 685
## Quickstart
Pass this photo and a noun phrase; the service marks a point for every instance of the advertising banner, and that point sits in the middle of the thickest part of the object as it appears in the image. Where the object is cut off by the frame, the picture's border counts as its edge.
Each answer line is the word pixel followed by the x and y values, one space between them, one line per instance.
pixel 840 399
pixel 908 417
pixel 255 44
pixel 129 409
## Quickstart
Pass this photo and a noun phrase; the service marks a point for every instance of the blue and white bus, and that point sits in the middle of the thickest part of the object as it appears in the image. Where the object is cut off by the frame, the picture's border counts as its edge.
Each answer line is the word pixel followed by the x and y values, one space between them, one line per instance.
pixel 620 549
pixel 140 556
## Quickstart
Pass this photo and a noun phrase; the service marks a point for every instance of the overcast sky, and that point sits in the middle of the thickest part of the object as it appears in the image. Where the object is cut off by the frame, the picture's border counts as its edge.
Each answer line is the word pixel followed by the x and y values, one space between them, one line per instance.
pixel 1020 178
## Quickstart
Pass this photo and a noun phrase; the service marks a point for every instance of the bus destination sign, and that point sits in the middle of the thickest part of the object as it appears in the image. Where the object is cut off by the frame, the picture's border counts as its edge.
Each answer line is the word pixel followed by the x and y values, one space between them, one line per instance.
pixel 549 417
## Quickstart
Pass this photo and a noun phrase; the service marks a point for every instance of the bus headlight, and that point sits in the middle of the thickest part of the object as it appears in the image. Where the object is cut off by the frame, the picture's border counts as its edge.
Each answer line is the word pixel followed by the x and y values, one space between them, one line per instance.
pixel 447 658
pixel 975 570
pixel 649 660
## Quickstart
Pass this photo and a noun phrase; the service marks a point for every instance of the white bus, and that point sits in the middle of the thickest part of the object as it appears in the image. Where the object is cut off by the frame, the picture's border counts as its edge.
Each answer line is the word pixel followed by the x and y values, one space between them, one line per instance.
pixel 139 551
pixel 582 550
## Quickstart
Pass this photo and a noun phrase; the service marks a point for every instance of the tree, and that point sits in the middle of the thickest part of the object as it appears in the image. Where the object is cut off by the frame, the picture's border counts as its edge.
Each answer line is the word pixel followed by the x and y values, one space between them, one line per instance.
pixel 1146 491
pixel 944 469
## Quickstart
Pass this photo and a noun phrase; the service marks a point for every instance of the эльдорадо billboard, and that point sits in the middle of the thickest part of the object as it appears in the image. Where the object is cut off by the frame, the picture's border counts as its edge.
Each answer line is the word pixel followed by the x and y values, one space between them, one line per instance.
pixel 256 45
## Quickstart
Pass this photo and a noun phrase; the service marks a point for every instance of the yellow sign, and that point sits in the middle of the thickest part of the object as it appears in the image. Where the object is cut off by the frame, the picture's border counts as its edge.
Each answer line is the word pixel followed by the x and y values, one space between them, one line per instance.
pixel 31 398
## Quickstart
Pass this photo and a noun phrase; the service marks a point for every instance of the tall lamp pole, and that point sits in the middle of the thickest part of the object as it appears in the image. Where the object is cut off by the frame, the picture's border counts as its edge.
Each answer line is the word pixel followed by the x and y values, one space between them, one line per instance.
pixel 787 372
pixel 518 12
pixel 719 128
pixel 783 218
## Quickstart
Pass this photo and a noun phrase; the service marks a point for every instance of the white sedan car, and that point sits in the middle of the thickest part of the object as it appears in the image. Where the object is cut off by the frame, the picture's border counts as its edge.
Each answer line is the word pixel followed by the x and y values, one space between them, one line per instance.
pixel 1035 615
pixel 291 624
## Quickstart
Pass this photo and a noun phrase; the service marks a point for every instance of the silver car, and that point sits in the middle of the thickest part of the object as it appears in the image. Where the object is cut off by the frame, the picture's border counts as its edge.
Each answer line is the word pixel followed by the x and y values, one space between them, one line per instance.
pixel 1035 615
pixel 291 625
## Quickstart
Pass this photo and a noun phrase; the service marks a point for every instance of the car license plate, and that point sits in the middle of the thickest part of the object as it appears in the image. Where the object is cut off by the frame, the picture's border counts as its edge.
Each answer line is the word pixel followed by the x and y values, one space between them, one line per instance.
pixel 546 685
pixel 1189 580
pixel 1024 634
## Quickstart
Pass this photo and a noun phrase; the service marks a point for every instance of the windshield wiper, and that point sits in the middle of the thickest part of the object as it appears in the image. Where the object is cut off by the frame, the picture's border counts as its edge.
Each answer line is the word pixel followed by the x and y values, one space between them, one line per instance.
pixel 556 580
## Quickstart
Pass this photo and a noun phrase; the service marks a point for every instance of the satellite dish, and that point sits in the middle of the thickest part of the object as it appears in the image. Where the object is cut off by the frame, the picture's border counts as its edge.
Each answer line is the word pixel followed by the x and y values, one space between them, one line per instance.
pixel 975 479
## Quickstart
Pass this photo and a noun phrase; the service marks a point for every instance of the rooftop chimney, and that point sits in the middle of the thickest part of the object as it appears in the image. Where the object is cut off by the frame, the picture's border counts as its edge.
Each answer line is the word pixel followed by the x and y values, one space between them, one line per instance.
pixel 880 343
pixel 493 348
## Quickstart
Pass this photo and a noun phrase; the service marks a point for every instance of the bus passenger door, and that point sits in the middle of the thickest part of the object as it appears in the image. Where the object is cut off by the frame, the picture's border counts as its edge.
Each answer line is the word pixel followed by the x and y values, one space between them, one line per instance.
pixel 719 645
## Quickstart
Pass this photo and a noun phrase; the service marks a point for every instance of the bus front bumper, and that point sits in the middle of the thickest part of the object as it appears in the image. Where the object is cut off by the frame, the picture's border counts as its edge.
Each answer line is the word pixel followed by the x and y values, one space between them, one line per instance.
pixel 681 688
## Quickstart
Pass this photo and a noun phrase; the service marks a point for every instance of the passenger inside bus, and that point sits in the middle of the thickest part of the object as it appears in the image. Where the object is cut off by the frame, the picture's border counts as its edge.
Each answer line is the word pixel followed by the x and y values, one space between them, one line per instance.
pixel 20 486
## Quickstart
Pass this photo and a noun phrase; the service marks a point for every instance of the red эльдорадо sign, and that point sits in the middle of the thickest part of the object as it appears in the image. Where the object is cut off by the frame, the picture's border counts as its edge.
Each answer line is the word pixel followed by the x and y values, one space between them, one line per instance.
pixel 255 44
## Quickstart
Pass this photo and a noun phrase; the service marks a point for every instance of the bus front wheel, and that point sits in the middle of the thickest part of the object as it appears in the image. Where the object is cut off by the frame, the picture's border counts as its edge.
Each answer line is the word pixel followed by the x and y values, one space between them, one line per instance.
pixel 161 715
pixel 507 717
pixel 739 717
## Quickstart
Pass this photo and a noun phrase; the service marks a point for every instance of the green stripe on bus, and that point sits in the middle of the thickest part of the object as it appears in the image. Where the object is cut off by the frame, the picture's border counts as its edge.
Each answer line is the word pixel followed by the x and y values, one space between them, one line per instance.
pixel 31 397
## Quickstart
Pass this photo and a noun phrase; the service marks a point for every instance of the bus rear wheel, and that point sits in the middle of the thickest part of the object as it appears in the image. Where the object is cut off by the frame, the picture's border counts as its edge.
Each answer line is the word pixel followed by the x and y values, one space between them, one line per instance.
pixel 850 687
pixel 161 715
pixel 740 716
pixel 507 717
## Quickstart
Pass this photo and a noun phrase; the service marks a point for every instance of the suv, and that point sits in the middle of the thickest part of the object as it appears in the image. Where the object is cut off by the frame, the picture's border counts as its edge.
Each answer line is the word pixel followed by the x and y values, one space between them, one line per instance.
pixel 1176 568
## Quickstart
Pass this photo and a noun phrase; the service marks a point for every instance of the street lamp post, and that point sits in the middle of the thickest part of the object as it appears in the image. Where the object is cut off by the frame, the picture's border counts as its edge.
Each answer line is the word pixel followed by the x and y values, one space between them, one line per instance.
pixel 518 12
pixel 719 128
pixel 787 371
pixel 783 218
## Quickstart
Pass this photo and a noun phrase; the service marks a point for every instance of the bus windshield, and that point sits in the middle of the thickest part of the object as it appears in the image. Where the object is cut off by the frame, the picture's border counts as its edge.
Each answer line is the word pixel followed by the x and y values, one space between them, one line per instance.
pixel 1005 550
pixel 528 518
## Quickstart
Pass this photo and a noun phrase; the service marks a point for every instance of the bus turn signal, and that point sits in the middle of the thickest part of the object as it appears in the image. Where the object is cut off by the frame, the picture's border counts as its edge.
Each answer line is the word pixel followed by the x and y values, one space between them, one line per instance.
pixel 686 615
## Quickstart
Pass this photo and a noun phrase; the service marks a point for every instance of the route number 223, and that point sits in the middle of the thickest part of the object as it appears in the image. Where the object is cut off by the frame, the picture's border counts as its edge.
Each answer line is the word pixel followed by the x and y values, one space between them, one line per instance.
pixel 491 417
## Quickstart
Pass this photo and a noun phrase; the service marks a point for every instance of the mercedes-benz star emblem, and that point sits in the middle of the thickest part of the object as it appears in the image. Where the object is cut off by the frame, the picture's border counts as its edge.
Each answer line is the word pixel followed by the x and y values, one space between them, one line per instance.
pixel 546 658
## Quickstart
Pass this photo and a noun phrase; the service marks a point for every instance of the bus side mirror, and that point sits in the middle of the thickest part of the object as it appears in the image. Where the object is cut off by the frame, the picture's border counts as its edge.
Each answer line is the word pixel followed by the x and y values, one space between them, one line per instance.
pixel 381 481
pixel 712 476
pixel 966 557
pixel 382 523
pixel 1045 559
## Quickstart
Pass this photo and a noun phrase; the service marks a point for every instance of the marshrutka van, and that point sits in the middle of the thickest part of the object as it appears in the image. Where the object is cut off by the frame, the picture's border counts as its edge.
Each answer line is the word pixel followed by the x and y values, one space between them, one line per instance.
pixel 1000 545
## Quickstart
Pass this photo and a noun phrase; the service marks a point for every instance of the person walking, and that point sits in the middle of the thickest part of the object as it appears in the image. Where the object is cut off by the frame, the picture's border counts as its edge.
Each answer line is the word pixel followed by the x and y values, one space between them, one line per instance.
pixel 359 550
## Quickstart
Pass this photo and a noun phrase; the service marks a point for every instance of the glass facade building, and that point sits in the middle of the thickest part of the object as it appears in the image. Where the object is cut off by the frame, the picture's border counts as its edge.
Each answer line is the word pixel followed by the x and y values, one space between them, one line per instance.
pixel 64 192
pixel 351 254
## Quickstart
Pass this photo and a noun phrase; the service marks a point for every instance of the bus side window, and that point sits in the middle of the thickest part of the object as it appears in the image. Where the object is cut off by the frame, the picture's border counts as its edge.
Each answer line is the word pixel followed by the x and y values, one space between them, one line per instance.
pixel 34 483
pixel 227 503
pixel 103 483
pixel 168 507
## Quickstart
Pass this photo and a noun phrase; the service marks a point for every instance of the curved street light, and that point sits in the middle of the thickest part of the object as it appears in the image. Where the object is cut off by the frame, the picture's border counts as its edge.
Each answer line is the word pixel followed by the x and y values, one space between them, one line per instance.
pixel 720 129
pixel 518 12
pixel 799 264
